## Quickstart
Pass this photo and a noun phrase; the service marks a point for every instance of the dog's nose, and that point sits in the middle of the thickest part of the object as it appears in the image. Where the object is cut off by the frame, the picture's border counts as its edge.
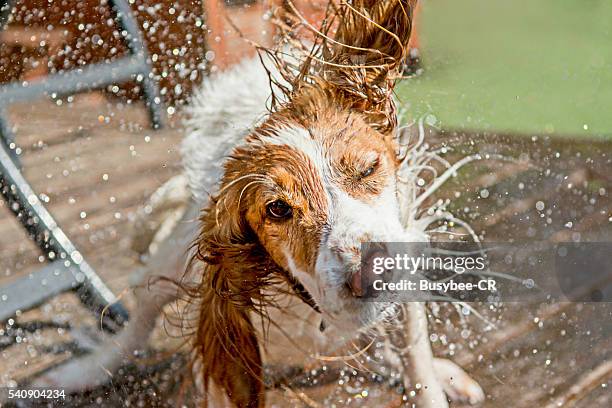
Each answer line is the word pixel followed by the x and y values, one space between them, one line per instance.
pixel 361 279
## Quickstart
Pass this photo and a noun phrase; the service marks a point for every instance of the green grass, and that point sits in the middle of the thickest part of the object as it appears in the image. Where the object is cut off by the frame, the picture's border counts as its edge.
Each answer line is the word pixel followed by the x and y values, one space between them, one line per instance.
pixel 526 66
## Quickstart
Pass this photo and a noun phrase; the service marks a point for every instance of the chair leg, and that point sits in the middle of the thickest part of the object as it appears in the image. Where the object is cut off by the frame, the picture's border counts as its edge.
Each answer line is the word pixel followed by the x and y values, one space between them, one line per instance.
pixel 137 46
pixel 153 101
pixel 7 138
pixel 52 240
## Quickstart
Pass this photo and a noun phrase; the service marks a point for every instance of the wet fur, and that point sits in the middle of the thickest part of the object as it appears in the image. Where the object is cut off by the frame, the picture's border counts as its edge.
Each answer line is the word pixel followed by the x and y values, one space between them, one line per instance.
pixel 238 269
pixel 348 88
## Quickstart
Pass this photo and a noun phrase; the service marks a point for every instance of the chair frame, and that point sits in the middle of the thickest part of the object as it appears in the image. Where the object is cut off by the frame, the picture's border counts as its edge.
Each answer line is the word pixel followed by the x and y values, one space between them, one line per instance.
pixel 67 270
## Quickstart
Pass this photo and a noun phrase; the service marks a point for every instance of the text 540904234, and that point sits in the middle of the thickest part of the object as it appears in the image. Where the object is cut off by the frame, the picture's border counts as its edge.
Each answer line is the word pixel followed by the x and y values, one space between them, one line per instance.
pixel 13 393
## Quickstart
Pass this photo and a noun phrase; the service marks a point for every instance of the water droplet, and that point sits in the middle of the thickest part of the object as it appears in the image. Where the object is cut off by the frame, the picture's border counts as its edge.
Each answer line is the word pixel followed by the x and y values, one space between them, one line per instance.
pixel 76 257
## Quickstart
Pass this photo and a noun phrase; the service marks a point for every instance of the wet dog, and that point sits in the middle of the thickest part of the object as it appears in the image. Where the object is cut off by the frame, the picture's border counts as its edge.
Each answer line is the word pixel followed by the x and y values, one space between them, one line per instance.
pixel 282 199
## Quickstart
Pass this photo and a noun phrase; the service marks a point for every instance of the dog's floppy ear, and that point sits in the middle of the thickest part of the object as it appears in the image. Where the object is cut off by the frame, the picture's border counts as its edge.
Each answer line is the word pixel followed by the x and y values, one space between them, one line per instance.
pixel 371 40
pixel 358 55
pixel 227 346
pixel 227 349
pixel 365 60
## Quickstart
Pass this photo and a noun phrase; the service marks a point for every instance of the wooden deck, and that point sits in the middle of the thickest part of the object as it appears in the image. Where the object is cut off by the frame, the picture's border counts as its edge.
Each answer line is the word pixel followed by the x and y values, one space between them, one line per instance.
pixel 94 166
pixel 96 163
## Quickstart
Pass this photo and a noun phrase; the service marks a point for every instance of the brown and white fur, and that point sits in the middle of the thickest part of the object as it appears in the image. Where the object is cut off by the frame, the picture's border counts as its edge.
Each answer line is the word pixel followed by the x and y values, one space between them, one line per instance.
pixel 288 196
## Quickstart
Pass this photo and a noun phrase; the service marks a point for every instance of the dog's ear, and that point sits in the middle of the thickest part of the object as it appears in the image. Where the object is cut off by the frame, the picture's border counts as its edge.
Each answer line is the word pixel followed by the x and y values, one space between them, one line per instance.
pixel 227 349
pixel 367 54
pixel 358 55
pixel 372 36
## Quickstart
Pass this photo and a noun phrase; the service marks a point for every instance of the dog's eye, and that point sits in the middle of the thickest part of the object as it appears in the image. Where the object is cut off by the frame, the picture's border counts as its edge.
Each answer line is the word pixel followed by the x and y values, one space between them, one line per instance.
pixel 279 209
pixel 368 171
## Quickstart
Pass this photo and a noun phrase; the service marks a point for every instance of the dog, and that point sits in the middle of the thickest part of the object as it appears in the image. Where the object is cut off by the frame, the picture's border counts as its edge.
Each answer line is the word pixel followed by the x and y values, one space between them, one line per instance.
pixel 289 170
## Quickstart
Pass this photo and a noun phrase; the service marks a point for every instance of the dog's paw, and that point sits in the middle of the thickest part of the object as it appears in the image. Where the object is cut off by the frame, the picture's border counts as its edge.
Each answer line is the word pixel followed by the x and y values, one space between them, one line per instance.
pixel 457 384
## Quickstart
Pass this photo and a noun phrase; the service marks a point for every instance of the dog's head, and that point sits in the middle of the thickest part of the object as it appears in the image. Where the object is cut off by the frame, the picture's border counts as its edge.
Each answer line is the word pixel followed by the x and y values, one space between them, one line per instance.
pixel 307 187
pixel 306 191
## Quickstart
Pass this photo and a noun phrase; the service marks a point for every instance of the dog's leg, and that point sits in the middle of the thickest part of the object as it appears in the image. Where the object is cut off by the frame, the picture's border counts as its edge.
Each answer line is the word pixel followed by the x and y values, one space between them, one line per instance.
pixel 410 351
pixel 411 346
pixel 99 367
pixel 457 384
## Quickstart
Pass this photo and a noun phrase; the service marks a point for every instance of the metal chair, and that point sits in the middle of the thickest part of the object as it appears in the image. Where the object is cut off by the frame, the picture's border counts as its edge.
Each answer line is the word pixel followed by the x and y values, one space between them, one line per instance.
pixel 67 269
